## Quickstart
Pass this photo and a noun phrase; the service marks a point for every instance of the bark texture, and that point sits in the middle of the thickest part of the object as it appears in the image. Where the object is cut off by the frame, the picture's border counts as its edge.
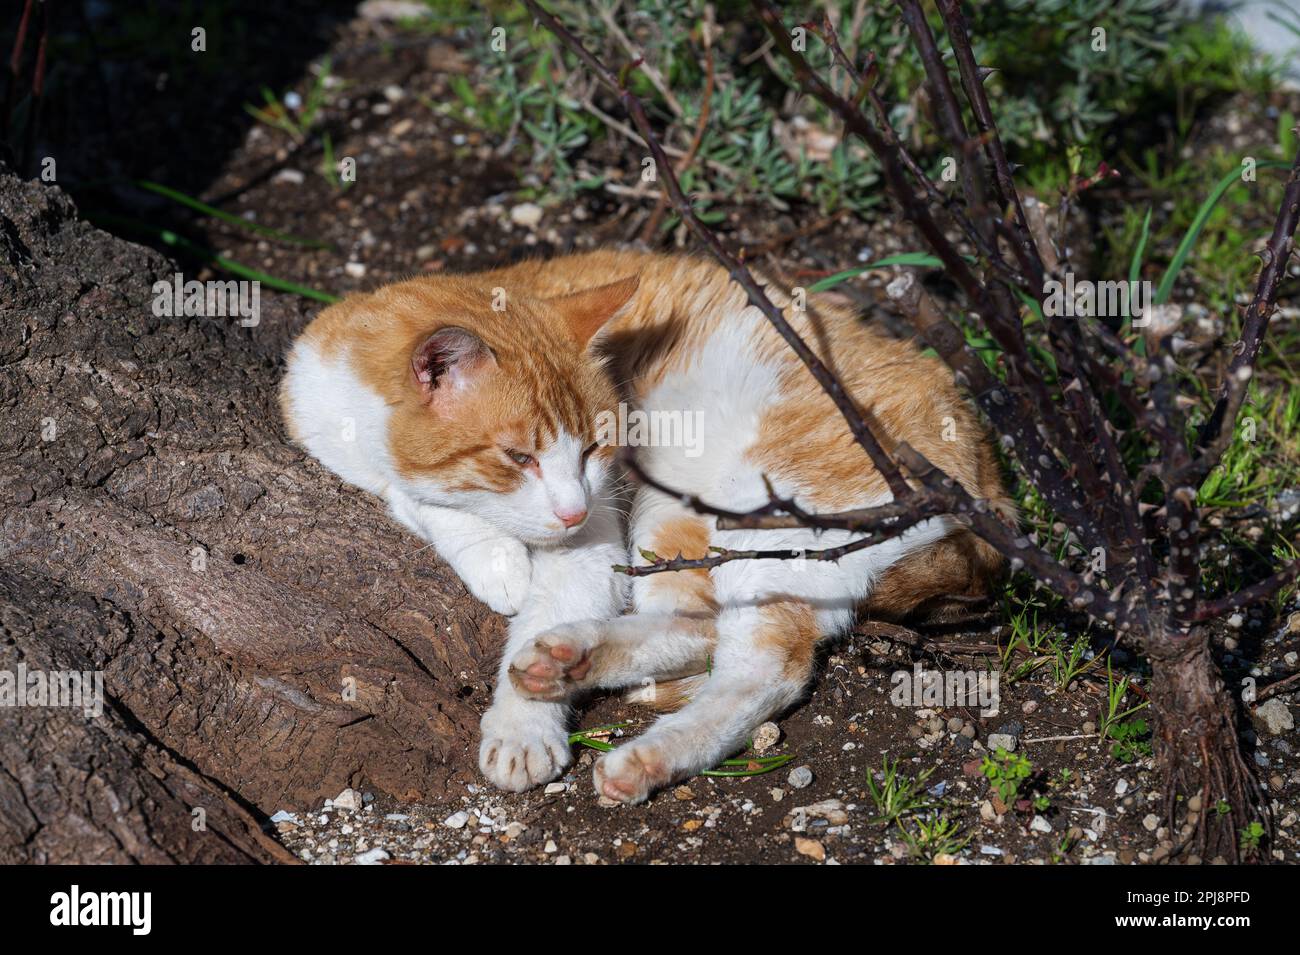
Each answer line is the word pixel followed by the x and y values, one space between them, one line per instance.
pixel 267 635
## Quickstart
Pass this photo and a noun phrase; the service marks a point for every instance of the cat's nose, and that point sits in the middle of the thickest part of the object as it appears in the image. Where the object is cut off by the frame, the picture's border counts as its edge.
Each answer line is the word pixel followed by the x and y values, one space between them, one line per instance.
pixel 572 518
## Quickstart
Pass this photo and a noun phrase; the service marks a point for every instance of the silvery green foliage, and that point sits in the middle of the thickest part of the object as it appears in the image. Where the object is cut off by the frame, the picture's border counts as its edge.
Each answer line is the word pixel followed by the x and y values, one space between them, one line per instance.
pixel 1057 90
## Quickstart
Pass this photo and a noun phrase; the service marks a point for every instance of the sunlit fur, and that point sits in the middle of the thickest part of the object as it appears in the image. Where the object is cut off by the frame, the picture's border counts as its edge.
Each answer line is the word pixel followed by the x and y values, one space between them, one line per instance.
pixel 664 334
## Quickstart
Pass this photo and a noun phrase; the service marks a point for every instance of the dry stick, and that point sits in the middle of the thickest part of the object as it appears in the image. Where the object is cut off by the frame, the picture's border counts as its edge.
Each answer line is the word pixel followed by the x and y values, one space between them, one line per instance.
pixel 894 516
pixel 1011 334
pixel 739 273
pixel 973 84
pixel 1042 566
pixel 1013 414
pixel 706 106
pixel 1256 592
pixel 1217 433
pixel 867 85
pixel 920 309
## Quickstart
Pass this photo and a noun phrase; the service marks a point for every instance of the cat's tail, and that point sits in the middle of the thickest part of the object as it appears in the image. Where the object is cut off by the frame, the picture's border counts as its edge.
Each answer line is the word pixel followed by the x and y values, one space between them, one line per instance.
pixel 666 696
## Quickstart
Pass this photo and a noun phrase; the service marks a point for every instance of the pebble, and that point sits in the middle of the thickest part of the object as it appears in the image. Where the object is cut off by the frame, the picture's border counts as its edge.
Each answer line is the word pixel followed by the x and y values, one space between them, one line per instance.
pixel 348 799
pixel 374 856
pixel 1001 741
pixel 1274 716
pixel 1121 787
pixel 800 777
pixel 1151 822
pixel 553 789
pixel 810 848
pixel 293 177
pixel 766 736
pixel 551 848
pixel 355 269
pixel 1089 727
pixel 683 794
pixel 955 724
pixel 526 214
pixel 1039 824
pixel 832 810
pixel 456 820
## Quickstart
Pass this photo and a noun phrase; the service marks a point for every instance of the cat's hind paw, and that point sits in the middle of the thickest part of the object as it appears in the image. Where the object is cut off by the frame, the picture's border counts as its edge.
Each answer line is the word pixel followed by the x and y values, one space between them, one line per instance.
pixel 557 662
pixel 632 772
pixel 519 751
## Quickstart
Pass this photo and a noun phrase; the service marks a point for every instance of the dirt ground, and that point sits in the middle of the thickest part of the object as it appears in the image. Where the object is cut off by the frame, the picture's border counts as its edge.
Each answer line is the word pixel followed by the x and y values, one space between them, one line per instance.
pixel 430 196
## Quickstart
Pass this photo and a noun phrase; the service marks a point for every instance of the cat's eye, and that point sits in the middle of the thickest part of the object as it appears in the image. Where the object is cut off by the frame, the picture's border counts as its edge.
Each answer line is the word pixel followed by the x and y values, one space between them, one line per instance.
pixel 520 458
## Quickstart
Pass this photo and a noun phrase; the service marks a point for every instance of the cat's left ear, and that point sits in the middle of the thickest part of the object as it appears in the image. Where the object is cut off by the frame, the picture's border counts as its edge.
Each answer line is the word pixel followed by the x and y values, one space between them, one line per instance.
pixel 586 312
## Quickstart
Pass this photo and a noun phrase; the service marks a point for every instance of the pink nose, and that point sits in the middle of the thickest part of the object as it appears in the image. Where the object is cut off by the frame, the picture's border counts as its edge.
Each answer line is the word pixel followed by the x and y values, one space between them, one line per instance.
pixel 571 518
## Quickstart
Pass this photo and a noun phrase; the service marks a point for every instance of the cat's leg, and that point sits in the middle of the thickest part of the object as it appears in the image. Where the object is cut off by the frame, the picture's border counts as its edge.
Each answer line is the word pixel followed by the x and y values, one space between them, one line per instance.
pixel 494 566
pixel 642 649
pixel 773 614
pixel 670 636
pixel 525 741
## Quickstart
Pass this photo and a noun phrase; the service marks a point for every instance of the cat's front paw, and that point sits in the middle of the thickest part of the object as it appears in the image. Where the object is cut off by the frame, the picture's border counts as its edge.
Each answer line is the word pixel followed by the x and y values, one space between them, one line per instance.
pixel 632 772
pixel 556 662
pixel 497 572
pixel 524 745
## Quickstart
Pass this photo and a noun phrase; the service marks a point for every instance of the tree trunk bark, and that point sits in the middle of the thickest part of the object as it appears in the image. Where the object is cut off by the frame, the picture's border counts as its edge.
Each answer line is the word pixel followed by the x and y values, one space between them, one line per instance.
pixel 266 633
pixel 1196 747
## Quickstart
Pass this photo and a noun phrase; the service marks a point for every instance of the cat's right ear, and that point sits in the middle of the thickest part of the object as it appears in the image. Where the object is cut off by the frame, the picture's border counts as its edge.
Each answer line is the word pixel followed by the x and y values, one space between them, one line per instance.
pixel 447 364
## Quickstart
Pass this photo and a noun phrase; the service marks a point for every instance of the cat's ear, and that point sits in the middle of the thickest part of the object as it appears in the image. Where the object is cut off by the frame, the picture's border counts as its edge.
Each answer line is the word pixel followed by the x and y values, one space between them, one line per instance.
pixel 587 311
pixel 448 363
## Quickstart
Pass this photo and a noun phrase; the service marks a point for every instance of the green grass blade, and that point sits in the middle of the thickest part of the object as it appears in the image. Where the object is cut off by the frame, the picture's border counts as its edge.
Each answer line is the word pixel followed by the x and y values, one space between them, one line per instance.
pixel 923 259
pixel 168 237
pixel 1166 287
pixel 1135 267
pixel 239 221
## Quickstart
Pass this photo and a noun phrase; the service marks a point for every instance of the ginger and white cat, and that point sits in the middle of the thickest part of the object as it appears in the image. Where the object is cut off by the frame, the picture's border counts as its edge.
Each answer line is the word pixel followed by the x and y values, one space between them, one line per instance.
pixel 471 403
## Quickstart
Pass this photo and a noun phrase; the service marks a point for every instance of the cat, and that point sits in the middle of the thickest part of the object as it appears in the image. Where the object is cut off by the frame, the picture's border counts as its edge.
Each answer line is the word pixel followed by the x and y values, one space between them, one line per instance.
pixel 478 403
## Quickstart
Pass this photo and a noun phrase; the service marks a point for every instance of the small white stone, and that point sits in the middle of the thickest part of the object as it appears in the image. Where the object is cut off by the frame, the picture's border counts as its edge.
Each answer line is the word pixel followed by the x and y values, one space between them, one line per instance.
pixel 348 799
pixel 526 214
pixel 374 856
pixel 456 820
pixel 355 269
pixel 553 788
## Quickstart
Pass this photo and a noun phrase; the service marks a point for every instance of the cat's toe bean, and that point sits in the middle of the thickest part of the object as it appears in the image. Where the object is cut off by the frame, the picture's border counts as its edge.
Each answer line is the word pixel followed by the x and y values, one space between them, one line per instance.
pixel 556 663
pixel 631 773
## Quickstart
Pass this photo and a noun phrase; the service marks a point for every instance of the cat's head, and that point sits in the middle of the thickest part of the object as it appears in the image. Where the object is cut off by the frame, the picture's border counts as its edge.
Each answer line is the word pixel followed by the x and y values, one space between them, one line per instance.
pixel 499 405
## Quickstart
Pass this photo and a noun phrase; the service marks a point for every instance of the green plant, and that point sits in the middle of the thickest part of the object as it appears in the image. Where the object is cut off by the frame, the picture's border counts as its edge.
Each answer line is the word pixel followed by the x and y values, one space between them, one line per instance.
pixel 1251 837
pixel 895 795
pixel 1006 772
pixel 1132 740
pixel 1113 713
pixel 929 837
pixel 297 122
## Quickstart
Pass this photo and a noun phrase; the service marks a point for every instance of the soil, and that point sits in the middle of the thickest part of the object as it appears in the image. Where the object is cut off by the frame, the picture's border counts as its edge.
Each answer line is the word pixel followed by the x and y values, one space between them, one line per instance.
pixel 432 195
